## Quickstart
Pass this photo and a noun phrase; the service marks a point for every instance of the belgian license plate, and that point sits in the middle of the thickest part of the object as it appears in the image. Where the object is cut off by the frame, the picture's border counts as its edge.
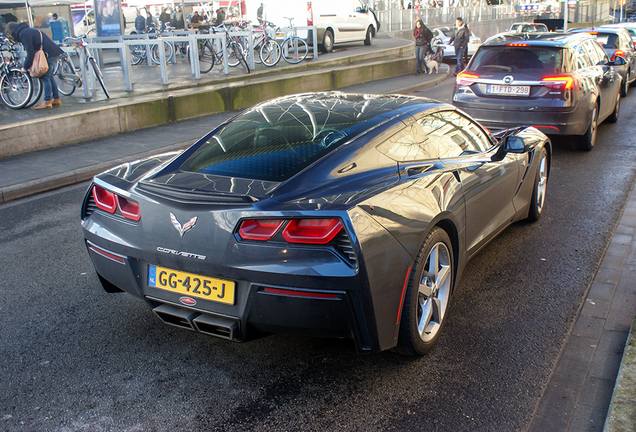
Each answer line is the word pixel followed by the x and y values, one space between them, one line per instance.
pixel 190 284
pixel 508 90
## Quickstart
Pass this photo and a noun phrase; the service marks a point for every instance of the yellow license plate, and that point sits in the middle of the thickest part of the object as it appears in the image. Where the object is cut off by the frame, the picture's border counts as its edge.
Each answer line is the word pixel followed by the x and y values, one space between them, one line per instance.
pixel 192 285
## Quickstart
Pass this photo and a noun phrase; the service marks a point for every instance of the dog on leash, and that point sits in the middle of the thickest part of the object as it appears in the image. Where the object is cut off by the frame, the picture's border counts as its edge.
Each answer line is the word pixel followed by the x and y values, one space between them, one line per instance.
pixel 431 64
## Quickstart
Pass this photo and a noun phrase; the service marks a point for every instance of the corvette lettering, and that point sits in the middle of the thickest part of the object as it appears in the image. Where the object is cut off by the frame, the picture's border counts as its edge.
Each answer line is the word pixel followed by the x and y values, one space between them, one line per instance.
pixel 180 253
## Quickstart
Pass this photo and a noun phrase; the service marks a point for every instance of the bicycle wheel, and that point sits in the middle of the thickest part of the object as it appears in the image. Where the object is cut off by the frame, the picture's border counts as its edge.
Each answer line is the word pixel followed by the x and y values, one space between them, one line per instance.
pixel 65 77
pixel 206 57
pixel 256 52
pixel 241 58
pixel 232 58
pixel 38 88
pixel 167 49
pixel 16 89
pixel 98 75
pixel 270 53
pixel 137 54
pixel 294 50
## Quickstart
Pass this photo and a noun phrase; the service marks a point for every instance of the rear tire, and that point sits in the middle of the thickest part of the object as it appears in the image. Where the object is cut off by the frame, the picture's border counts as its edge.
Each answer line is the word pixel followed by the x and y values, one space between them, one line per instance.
pixel 540 187
pixel 427 295
pixel 369 39
pixel 270 53
pixel 587 141
pixel 327 43
pixel 206 57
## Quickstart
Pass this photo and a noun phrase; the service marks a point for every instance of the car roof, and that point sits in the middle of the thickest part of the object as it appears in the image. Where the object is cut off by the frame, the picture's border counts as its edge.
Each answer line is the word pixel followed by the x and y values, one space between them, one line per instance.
pixel 601 29
pixel 555 39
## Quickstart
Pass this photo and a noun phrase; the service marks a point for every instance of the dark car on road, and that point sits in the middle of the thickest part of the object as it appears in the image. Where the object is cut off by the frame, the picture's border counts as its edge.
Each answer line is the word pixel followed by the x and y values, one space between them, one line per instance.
pixel 560 83
pixel 334 215
pixel 616 42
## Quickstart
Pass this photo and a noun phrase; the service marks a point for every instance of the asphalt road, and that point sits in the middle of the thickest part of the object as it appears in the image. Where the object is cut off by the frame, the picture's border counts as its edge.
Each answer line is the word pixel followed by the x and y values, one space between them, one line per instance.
pixel 74 358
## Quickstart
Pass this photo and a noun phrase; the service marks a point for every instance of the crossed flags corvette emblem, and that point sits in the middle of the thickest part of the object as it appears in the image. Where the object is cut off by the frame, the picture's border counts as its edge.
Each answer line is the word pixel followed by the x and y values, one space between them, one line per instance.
pixel 186 227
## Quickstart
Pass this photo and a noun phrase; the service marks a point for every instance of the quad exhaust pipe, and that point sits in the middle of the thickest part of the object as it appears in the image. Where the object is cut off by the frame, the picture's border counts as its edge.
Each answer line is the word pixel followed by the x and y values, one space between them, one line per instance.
pixel 213 325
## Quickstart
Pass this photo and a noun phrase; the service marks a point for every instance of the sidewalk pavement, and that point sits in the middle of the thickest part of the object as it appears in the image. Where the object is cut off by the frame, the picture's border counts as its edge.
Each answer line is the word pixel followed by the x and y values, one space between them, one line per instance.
pixel 580 389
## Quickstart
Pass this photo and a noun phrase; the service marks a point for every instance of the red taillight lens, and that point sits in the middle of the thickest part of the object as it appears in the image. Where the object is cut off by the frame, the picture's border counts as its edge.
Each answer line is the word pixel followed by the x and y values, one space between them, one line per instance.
pixel 465 78
pixel 259 229
pixel 314 231
pixel 559 82
pixel 129 209
pixel 618 53
pixel 105 200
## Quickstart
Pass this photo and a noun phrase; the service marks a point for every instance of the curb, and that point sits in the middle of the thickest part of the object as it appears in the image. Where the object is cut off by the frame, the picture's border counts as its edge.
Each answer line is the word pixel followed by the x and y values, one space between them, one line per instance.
pixel 44 184
pixel 437 80
pixel 621 415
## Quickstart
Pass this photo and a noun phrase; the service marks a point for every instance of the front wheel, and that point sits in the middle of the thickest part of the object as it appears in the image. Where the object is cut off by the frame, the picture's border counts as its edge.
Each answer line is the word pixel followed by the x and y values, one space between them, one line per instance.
pixel 238 52
pixel 270 53
pixel 294 50
pixel 16 89
pixel 206 57
pixel 98 75
pixel 613 118
pixel 66 78
pixel 38 88
pixel 427 296
pixel 540 187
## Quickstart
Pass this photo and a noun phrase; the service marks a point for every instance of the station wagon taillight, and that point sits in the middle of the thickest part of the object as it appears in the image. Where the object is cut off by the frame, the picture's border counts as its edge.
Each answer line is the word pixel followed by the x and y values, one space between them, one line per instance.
pixel 559 82
pixel 465 78
pixel 618 53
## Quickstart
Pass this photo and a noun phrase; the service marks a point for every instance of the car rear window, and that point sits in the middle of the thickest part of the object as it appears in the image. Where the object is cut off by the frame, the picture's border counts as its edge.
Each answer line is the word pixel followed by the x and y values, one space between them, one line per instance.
pixel 518 59
pixel 275 140
pixel 607 40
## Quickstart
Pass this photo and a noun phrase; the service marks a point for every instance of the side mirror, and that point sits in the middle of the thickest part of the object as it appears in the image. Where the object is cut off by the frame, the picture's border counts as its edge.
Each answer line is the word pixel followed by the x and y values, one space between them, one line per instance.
pixel 514 144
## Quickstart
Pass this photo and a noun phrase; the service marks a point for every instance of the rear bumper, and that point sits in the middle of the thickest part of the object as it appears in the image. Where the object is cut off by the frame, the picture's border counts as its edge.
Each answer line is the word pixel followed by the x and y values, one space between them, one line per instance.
pixel 557 122
pixel 335 311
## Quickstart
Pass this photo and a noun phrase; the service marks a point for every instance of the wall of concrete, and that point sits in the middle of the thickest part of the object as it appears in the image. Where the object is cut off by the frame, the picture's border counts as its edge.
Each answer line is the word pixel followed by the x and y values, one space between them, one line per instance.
pixel 159 108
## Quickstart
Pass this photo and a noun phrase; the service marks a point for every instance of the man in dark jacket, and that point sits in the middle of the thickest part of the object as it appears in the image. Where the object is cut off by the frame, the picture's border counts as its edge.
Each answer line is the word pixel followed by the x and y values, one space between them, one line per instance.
pixel 31 39
pixel 140 23
pixel 460 43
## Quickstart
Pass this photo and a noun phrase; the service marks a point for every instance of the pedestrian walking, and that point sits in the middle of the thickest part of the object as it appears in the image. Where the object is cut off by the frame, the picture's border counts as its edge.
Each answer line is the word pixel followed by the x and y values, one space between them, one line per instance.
pixel 32 39
pixel 423 36
pixel 460 43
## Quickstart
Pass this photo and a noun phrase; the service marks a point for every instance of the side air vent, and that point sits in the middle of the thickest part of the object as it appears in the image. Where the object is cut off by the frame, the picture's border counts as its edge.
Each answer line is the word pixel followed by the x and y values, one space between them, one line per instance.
pixel 188 196
pixel 89 206
pixel 345 247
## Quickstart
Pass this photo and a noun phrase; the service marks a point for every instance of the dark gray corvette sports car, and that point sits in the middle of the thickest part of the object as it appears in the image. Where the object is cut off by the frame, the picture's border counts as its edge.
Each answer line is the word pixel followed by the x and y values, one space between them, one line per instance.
pixel 331 214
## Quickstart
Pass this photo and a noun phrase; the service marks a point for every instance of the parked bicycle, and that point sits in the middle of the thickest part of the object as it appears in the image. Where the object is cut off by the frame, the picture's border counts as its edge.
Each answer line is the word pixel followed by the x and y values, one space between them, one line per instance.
pixel 16 87
pixel 66 75
pixel 80 44
pixel 139 53
pixel 209 56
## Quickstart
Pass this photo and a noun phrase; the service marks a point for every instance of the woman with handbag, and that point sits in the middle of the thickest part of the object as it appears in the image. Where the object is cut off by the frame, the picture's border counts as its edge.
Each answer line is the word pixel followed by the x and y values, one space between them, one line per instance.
pixel 33 40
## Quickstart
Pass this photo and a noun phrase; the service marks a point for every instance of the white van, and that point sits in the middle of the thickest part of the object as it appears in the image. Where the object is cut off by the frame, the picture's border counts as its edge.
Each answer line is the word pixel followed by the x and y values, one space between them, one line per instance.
pixel 336 21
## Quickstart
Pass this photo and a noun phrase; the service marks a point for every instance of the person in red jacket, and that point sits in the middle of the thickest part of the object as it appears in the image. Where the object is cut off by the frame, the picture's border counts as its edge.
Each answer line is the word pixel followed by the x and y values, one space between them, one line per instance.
pixel 31 39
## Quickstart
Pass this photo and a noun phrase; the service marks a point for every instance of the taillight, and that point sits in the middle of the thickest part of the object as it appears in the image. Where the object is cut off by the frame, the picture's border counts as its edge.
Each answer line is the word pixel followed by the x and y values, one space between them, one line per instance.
pixel 465 78
pixel 259 229
pixel 518 44
pixel 312 231
pixel 559 82
pixel 315 231
pixel 618 53
pixel 129 209
pixel 109 202
pixel 105 200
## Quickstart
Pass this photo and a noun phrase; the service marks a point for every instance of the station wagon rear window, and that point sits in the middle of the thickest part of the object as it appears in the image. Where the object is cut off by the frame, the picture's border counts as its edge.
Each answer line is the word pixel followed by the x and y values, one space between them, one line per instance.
pixel 519 59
